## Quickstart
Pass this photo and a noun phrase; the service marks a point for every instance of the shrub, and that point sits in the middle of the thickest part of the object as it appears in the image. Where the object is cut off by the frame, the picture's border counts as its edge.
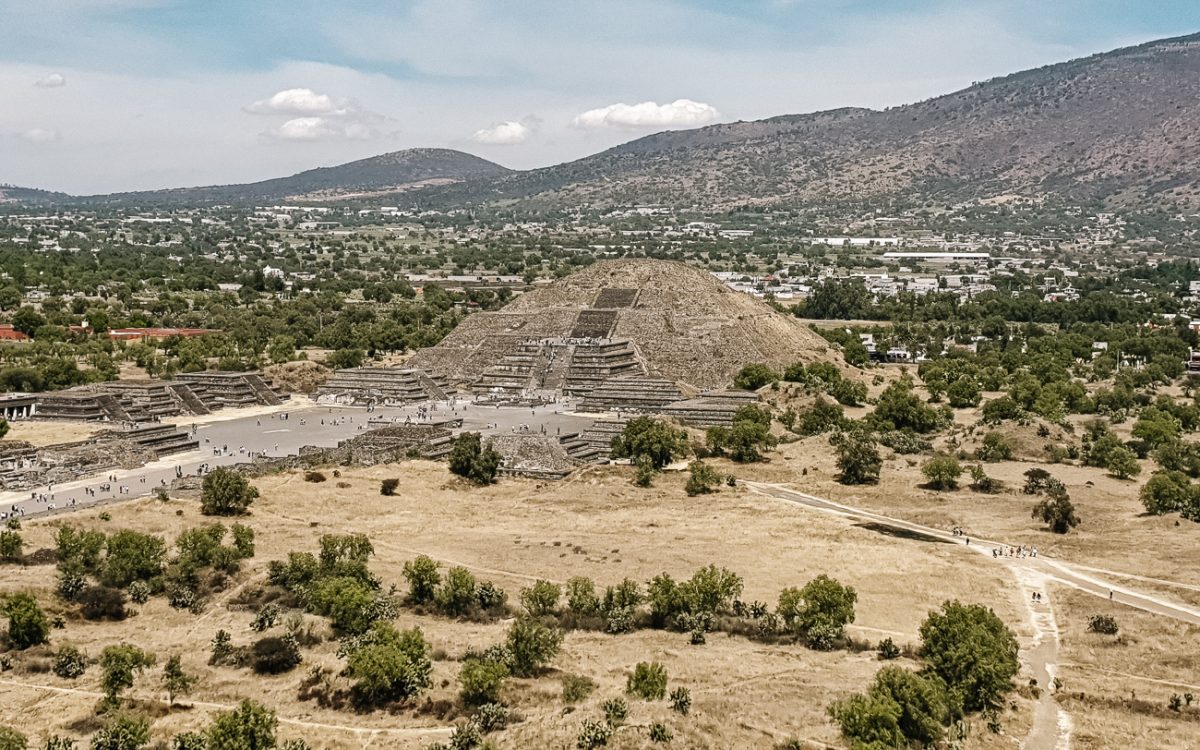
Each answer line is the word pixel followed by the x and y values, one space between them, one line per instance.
pixel 747 436
pixel 1168 492
pixel 471 460
pixel 644 477
pixel 222 651
pixel 69 663
pixel 272 655
pixel 225 492
pixel 119 663
pixel 995 447
pixel 423 579
pixel 11 545
pixel 615 711
pixel 541 598
pixel 593 734
pixel 388 487
pixel 350 604
pixel 531 645
pixel 981 482
pixel 754 376
pixel 27 624
pixel 491 717
pixel 648 681
pixel 250 725
pixel 942 472
pixel 581 596
pixel 132 556
pixel 681 701
pixel 11 739
pixel 888 649
pixel 1103 624
pixel 660 733
pixel 456 596
pixel 315 477
pixel 122 732
pixel 490 597
pixel 904 443
pixel 266 618
pixel 189 741
pixel 139 592
pixel 480 681
pixel 576 688
pixel 702 478
pixel 389 665
pixel 819 612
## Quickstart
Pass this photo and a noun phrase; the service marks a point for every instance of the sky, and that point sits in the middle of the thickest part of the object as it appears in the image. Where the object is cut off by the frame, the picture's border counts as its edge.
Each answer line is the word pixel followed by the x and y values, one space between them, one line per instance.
pixel 112 95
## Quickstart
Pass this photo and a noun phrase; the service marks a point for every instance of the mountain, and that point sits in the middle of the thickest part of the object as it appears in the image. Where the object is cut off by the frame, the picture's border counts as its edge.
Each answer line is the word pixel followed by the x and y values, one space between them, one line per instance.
pixel 1117 127
pixel 11 194
pixel 391 173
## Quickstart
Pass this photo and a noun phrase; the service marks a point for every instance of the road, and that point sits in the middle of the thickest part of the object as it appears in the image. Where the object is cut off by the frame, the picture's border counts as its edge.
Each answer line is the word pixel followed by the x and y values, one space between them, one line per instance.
pixel 1051 729
pixel 229 436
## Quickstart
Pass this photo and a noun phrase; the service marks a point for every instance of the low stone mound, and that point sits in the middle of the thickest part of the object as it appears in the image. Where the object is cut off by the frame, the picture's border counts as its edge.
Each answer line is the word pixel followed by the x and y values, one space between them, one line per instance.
pixel 532 455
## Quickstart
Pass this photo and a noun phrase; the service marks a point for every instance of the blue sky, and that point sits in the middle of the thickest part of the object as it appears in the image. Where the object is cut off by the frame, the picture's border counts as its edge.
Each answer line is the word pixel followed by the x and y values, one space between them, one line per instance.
pixel 104 95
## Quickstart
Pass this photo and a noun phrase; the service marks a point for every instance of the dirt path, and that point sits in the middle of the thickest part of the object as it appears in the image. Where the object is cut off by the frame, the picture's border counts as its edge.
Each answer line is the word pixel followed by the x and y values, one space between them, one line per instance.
pixel 1052 726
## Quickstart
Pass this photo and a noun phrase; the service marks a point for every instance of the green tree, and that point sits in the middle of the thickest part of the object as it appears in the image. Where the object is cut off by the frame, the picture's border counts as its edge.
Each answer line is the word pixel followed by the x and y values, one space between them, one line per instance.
pixel 282 349
pixel 132 556
pixel 349 603
pixel 470 459
pixel 648 681
pixel 819 612
pixel 225 492
pixel 855 353
pixel 1168 492
pixel 27 320
pixel 541 598
pixel 250 726
pixel 969 648
pixel 1123 464
pixel 11 545
pixel 176 681
pixel 118 664
pixel 123 731
pixel 651 438
pixel 747 437
pixel 899 408
pixel 964 393
pixel 458 593
pixel 869 722
pixel 1057 511
pixel 942 472
pixel 858 459
pixel 27 624
pixel 995 447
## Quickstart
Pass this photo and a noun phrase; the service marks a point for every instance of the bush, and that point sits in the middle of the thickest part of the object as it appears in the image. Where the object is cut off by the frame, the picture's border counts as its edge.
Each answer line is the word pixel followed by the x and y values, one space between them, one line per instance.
pixel 901 707
pixel 11 545
pixel 904 443
pixel 702 478
pixel 490 597
pixel 471 460
pixel 11 739
pixel 541 598
pixel 747 436
pixel 681 701
pixel 581 596
pixel 819 612
pixel 972 651
pixel 132 556
pixel 266 618
pixel 995 447
pixel 389 665
pixel 27 624
pixel 250 725
pixel 387 487
pixel 225 492
pixel 69 663
pixel 316 477
pixel 660 733
pixel 821 417
pixel 491 717
pixel 456 596
pixel 423 579
pixel 480 681
pixel 122 732
pixel 888 649
pixel 273 655
pixel 576 688
pixel 119 663
pixel 1169 492
pixel 615 711
pixel 176 681
pixel 754 376
pixel 531 646
pixel 1103 624
pixel 1000 409
pixel 942 472
pixel 139 592
pixel 648 681
pixel 593 734
pixel 349 603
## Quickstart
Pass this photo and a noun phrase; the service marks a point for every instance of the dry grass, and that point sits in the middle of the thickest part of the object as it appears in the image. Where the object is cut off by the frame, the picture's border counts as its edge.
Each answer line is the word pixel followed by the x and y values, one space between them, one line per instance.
pixel 1116 688
pixel 49 433
pixel 746 694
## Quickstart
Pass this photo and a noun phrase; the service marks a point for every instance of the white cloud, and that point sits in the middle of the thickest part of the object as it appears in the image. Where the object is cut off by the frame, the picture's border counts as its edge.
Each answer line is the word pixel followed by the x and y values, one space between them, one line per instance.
pixel 40 135
pixel 323 129
pixel 51 81
pixel 507 133
pixel 681 113
pixel 305 102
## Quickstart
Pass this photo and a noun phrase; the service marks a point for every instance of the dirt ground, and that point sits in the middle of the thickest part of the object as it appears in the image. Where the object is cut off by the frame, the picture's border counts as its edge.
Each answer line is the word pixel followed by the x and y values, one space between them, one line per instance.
pixel 1117 688
pixel 746 694
pixel 49 433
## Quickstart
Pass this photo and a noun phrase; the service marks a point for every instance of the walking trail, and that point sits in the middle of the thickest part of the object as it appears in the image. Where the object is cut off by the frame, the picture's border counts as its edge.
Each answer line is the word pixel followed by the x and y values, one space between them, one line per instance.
pixel 1052 726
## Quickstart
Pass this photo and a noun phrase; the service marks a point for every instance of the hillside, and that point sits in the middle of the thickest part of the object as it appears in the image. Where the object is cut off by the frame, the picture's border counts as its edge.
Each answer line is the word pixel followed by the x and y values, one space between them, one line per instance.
pixel 375 176
pixel 11 194
pixel 1117 127
pixel 683 323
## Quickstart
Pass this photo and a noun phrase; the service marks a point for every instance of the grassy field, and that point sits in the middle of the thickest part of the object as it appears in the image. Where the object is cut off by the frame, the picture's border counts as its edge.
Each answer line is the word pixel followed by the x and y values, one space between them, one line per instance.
pixel 746 694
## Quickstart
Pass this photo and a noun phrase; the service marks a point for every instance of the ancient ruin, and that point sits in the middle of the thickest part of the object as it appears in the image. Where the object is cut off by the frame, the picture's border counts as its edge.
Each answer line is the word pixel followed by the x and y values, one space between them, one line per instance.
pixel 382 386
